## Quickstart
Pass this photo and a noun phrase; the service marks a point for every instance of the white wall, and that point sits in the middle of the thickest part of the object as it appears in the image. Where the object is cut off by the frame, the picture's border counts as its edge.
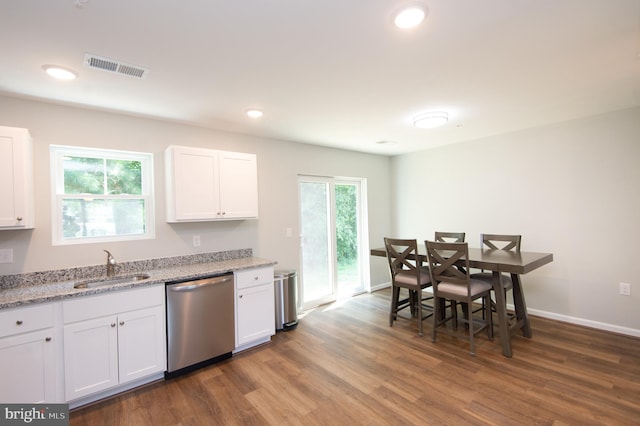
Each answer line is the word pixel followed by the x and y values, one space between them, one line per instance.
pixel 279 163
pixel 572 189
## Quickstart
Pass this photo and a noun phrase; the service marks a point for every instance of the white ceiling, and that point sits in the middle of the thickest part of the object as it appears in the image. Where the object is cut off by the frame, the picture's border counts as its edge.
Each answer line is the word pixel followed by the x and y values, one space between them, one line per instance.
pixel 332 72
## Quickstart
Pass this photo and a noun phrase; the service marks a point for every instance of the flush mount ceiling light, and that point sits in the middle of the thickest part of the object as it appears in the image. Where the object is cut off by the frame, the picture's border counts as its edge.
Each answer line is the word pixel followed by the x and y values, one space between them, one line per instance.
pixel 411 15
pixel 429 120
pixel 254 113
pixel 58 72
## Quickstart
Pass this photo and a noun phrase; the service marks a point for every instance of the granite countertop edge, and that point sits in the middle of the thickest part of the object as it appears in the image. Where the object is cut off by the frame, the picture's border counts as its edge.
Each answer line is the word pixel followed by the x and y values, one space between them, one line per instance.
pixel 50 292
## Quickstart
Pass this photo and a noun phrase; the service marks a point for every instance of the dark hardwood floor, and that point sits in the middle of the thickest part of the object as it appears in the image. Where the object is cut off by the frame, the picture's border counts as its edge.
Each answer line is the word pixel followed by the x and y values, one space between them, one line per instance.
pixel 345 365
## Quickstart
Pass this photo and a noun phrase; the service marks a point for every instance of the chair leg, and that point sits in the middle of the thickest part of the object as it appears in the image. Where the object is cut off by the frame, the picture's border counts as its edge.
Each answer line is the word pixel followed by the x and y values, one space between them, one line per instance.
pixel 469 321
pixel 419 309
pixel 489 317
pixel 436 317
pixel 454 313
pixel 395 297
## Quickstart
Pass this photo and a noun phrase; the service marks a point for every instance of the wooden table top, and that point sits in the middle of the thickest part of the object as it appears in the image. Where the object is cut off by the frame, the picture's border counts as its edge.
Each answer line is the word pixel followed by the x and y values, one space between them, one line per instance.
pixel 496 260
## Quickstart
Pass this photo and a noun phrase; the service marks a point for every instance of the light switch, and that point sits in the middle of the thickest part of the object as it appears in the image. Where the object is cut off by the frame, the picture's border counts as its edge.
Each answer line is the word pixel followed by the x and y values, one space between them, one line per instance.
pixel 6 255
pixel 289 232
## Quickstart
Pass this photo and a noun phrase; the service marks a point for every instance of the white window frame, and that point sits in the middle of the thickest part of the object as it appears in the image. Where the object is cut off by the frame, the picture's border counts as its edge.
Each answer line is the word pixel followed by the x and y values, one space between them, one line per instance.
pixel 57 155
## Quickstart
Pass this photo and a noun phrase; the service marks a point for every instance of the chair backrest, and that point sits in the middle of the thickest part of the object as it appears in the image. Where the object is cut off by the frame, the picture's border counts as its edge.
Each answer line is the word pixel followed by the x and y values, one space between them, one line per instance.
pixel 501 242
pixel 449 237
pixel 399 252
pixel 448 262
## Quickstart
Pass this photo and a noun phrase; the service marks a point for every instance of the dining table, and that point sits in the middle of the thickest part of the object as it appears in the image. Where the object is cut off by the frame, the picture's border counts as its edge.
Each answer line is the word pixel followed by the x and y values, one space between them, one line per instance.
pixel 515 263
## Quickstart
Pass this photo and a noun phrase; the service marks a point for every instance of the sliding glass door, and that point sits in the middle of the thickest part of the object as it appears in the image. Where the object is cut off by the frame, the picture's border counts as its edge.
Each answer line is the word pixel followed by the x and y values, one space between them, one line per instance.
pixel 331 239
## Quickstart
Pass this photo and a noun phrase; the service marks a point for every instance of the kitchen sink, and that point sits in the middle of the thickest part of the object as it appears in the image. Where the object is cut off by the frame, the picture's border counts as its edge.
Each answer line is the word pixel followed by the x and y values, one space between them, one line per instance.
pixel 110 281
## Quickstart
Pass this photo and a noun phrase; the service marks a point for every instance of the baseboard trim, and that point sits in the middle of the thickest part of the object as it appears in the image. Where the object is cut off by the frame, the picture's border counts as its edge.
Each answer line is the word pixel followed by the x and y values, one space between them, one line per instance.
pixel 380 287
pixel 585 322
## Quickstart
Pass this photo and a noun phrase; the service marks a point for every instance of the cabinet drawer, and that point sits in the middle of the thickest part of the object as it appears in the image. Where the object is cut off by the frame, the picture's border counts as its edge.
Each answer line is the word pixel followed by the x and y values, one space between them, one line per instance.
pixel 251 277
pixel 101 305
pixel 22 320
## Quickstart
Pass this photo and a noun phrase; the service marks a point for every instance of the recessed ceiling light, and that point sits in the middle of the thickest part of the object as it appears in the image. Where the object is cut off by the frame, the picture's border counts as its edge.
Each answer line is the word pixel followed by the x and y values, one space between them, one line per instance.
pixel 60 73
pixel 429 120
pixel 254 113
pixel 410 16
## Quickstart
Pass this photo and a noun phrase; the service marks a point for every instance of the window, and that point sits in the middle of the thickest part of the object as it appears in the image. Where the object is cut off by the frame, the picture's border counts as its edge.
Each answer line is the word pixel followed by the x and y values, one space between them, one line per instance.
pixel 101 195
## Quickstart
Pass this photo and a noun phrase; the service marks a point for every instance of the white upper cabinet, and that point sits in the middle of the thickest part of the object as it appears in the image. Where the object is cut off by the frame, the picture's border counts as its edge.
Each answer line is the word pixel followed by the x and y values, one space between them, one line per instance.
pixel 16 179
pixel 204 184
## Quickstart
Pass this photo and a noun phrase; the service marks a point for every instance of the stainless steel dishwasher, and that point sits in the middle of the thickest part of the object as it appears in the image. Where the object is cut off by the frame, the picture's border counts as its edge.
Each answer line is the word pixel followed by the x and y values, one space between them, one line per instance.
pixel 200 323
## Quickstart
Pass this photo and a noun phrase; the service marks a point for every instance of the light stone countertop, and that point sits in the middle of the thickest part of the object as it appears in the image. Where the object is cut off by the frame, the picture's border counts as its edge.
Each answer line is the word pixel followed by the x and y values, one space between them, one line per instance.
pixel 48 292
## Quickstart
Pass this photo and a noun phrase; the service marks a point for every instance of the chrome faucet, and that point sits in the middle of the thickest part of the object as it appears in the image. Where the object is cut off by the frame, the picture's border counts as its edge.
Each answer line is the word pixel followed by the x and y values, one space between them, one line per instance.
pixel 111 264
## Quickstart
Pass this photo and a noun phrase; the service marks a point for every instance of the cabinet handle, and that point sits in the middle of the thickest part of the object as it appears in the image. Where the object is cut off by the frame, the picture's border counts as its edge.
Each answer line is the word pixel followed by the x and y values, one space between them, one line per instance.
pixel 240 296
pixel 47 339
pixel 19 322
pixel 121 322
pixel 19 218
pixel 113 324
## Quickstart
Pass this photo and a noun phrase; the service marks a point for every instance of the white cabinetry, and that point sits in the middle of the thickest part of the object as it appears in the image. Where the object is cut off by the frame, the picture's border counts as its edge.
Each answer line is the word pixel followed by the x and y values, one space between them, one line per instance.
pixel 204 185
pixel 28 355
pixel 114 339
pixel 255 307
pixel 16 179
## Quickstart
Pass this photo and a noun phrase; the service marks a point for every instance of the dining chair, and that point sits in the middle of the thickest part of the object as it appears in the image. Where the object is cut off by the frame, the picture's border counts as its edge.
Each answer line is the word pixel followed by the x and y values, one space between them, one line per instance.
pixel 449 237
pixel 450 278
pixel 407 272
pixel 499 242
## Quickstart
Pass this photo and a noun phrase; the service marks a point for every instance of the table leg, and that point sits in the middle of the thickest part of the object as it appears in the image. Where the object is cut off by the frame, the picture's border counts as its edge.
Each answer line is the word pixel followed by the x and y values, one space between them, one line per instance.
pixel 520 305
pixel 503 321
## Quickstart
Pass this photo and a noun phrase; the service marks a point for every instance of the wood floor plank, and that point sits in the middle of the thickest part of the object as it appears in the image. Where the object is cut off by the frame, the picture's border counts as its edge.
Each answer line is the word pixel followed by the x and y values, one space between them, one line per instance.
pixel 344 365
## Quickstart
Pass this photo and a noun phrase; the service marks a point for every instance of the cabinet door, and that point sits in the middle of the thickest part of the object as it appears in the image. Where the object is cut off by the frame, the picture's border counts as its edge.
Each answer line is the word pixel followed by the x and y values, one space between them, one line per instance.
pixel 192 184
pixel 141 341
pixel 238 185
pixel 256 313
pixel 27 368
pixel 90 356
pixel 16 179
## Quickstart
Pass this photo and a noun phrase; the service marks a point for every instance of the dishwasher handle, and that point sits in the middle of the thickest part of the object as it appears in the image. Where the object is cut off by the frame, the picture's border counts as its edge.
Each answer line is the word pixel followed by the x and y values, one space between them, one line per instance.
pixel 193 285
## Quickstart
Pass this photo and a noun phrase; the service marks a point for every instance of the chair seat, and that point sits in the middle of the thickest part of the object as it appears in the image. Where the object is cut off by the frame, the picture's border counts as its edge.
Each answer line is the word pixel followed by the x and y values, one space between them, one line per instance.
pixel 507 284
pixel 409 278
pixel 477 287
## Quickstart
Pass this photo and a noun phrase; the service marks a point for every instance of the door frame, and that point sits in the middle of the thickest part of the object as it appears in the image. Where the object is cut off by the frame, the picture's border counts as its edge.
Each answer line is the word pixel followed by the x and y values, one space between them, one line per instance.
pixel 363 232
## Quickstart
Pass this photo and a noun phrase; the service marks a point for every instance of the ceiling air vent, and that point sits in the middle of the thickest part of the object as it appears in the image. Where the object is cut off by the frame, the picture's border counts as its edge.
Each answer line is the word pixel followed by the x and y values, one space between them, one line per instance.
pixel 118 67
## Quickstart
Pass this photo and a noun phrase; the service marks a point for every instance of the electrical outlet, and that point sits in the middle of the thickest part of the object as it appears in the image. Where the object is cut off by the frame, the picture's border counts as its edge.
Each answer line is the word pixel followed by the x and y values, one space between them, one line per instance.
pixel 196 240
pixel 6 255
pixel 625 289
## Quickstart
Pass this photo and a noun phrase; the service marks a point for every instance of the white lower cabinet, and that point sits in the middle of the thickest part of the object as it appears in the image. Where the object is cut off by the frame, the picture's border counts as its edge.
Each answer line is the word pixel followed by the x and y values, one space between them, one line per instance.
pixel 255 307
pixel 112 340
pixel 91 356
pixel 28 358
